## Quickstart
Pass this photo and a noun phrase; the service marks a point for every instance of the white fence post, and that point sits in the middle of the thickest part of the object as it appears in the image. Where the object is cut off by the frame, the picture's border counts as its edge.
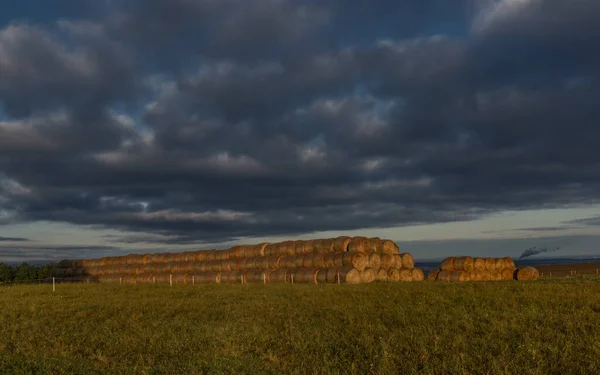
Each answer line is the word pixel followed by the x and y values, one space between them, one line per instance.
pixel 54 284
pixel 171 279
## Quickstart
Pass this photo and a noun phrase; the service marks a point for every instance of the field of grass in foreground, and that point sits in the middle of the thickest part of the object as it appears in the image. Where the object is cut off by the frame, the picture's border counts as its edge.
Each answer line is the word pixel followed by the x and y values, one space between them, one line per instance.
pixel 538 327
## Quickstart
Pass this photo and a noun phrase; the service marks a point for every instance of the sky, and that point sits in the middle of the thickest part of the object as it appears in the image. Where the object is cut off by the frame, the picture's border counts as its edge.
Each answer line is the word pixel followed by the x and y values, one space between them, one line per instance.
pixel 451 127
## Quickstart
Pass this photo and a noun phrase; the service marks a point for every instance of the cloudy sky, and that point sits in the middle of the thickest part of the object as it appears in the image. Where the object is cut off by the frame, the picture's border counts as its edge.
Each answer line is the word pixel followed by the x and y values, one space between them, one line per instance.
pixel 449 126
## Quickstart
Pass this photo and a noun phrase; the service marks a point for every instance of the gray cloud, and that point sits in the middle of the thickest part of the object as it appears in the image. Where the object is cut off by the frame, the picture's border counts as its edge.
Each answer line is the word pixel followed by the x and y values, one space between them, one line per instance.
pixel 202 122
pixel 13 239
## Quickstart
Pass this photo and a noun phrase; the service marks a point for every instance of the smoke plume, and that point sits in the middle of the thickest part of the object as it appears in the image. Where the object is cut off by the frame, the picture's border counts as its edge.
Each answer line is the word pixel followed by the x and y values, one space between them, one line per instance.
pixel 537 250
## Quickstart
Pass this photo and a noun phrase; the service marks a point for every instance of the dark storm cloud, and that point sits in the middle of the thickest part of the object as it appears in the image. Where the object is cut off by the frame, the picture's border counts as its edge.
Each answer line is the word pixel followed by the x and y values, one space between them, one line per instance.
pixel 207 121
pixel 13 239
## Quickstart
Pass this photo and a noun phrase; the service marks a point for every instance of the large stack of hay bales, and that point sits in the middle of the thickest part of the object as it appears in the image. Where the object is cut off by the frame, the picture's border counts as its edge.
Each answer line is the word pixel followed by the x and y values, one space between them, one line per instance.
pixel 348 260
pixel 466 268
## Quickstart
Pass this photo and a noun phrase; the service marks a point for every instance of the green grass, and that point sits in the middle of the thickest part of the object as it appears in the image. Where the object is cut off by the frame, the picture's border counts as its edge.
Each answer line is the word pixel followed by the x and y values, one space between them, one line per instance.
pixel 543 327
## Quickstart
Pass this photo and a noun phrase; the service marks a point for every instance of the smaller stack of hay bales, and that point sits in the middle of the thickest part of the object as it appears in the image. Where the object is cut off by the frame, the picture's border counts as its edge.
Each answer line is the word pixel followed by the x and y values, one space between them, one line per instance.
pixel 467 268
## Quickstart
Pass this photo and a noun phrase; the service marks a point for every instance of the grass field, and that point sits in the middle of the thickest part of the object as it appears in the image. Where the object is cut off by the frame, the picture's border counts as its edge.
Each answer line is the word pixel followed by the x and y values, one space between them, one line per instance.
pixel 542 327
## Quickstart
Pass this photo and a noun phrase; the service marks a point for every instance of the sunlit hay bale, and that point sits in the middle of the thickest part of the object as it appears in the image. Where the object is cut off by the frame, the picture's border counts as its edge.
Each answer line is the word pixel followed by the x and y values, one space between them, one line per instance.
pixel 479 264
pixel 405 275
pixel 477 275
pixel 318 260
pixel 381 275
pixel 387 261
pixel 330 260
pixel 490 264
pixel 447 264
pixel 444 275
pixel 340 244
pixel 280 276
pixel 231 277
pixel 322 276
pixel 496 276
pixel 407 261
pixel 418 274
pixel 397 261
pixel 466 264
pixel 509 263
pixel 507 274
pixel 374 261
pixel 459 276
pixel 499 264
pixel 357 260
pixel 393 274
pixel 527 274
pixel 359 244
pixel 367 275
pixel 432 276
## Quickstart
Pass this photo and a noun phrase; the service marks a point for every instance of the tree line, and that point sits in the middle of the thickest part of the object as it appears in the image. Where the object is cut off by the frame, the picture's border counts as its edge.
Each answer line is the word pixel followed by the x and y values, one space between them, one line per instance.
pixel 24 272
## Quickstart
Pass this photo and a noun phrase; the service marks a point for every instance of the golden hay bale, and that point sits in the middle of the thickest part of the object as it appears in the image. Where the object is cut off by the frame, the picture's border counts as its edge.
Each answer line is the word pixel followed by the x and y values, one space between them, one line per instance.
pixel 374 261
pixel 509 263
pixel 376 244
pixel 490 264
pixel 507 274
pixel 231 277
pixel 387 261
pixel 476 275
pixel 262 263
pixel 496 276
pixel 286 248
pixel 418 274
pixel 331 275
pixel 327 245
pixel 355 259
pixel 308 247
pixel 447 264
pixel 305 261
pixel 306 275
pixel 389 247
pixel 381 275
pixel 280 276
pixel 367 275
pixel 360 244
pixel 460 276
pixel 444 276
pixel 322 276
pixel 329 260
pixel 298 247
pixel 273 261
pixel 432 276
pixel 393 274
pixel 287 261
pixel 466 264
pixel 499 264
pixel 479 264
pixel 318 260
pixel 527 274
pixel 271 249
pixel 340 244
pixel 405 274
pixel 397 261
pixel 254 276
pixel 348 275
pixel 486 275
pixel 407 261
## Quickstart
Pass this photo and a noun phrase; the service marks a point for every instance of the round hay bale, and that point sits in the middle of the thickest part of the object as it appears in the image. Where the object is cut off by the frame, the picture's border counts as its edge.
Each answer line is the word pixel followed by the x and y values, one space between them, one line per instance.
pixel 326 246
pixel 322 276
pixel 509 263
pixel 432 276
pixel 360 244
pixel 486 275
pixel 329 260
pixel 447 264
pixel 349 275
pixel 287 261
pixel 270 249
pixel 280 276
pixel 459 276
pixel 499 264
pixel 274 261
pixel 496 276
pixel 381 275
pixel 374 261
pixel 299 247
pixel 340 244
pixel 479 264
pixel 387 261
pixel 490 264
pixel 466 264
pixel 507 274
pixel 393 274
pixel 318 260
pixel 306 275
pixel 527 274
pixel 231 277
pixel 338 260
pixel 389 247
pixel 331 275
pixel 418 274
pixel 407 261
pixel 308 247
pixel 357 260
pixel 476 275
pixel 376 244
pixel 253 276
pixel 262 263
pixel 304 261
pixel 397 261
pixel 444 276
pixel 405 275
pixel 367 275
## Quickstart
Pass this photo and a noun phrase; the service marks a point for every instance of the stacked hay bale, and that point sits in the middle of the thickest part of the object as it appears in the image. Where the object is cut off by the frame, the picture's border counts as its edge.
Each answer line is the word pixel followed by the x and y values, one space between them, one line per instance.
pixel 480 269
pixel 349 260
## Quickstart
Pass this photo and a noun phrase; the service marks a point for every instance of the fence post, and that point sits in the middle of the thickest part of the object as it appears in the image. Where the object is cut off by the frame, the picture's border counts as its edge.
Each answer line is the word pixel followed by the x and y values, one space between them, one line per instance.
pixel 153 279
pixel 171 279
pixel 264 279
pixel 292 278
pixel 120 280
pixel 54 284
pixel 338 278
pixel 193 279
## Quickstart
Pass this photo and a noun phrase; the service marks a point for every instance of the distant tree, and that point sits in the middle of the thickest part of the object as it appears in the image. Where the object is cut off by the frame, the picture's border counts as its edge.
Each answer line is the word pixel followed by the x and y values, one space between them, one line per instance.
pixel 25 272
pixel 45 271
pixel 6 273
